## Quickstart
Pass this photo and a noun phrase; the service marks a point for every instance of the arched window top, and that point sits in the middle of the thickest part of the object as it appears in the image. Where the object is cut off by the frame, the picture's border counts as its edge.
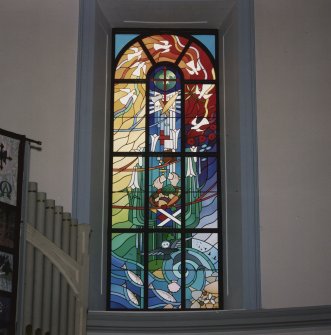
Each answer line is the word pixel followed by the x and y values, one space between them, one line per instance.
pixel 139 55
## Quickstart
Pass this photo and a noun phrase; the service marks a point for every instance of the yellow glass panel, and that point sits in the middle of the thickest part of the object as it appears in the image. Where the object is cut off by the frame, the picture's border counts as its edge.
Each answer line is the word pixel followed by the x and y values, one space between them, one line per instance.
pixel 133 64
pixel 129 117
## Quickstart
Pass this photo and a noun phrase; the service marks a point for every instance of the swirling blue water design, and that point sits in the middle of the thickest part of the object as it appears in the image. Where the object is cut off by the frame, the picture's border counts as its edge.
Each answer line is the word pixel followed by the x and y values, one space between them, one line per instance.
pixel 125 292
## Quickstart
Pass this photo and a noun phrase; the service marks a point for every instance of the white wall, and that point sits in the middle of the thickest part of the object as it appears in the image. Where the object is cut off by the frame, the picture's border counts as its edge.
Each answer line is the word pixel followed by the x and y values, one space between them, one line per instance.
pixel 38 49
pixel 293 62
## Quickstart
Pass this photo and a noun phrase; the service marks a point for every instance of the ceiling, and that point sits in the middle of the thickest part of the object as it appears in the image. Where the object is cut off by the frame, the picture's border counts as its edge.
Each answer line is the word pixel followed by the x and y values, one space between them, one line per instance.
pixel 166 13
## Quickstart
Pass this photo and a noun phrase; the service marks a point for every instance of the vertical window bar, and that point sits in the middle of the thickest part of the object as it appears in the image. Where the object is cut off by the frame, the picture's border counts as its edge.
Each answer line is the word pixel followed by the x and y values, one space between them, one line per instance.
pixel 146 223
pixel 183 201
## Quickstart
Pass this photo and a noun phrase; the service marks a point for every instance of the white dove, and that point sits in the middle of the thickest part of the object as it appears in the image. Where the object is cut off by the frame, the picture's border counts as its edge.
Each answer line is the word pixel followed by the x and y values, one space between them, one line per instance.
pixel 197 126
pixel 139 66
pixel 165 46
pixel 136 54
pixel 129 94
pixel 204 91
pixel 193 69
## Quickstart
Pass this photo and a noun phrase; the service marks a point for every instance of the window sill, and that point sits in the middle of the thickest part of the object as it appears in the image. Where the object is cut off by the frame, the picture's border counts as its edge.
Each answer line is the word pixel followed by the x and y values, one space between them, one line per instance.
pixel 207 321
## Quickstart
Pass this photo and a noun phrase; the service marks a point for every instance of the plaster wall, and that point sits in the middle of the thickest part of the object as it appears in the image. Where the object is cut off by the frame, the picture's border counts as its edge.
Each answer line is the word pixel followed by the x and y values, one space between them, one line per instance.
pixel 293 77
pixel 38 51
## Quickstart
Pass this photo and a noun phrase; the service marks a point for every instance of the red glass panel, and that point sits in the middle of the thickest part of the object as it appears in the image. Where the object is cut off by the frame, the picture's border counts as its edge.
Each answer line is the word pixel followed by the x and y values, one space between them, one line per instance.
pixel 200 117
pixel 196 64
pixel 165 48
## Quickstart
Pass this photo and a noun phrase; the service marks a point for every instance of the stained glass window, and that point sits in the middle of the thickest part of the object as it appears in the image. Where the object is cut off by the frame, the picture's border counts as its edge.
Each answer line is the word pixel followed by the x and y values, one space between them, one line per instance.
pixel 165 222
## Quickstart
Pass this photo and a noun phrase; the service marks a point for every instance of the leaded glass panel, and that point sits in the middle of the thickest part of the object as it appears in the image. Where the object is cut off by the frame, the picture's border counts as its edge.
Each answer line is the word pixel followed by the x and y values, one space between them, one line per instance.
pixel 165 226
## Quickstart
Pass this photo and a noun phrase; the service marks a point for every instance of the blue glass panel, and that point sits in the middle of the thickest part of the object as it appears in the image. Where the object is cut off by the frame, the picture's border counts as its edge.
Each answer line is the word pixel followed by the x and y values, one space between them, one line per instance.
pixel 202 271
pixel 127 271
pixel 165 110
pixel 164 270
pixel 208 41
pixel 201 195
pixel 121 40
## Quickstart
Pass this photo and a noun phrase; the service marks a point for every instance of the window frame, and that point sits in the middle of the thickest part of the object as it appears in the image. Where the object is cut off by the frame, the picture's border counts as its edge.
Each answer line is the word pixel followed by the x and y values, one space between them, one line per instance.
pixel 89 192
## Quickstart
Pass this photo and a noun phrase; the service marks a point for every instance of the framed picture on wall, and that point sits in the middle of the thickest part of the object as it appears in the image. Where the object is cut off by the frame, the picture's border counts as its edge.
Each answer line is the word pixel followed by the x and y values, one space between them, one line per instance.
pixel 7 225
pixel 12 147
pixel 5 314
pixel 6 271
